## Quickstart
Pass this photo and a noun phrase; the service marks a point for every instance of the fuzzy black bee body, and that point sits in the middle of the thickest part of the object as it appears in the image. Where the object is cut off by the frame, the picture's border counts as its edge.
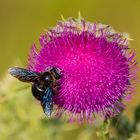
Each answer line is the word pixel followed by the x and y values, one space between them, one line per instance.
pixel 43 84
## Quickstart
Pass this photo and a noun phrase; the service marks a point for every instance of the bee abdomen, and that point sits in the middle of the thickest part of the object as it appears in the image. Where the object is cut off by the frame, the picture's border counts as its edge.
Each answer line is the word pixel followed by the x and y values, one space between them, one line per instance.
pixel 37 92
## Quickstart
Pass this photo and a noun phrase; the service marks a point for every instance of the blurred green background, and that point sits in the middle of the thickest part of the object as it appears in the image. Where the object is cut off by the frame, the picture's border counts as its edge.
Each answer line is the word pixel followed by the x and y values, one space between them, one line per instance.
pixel 21 22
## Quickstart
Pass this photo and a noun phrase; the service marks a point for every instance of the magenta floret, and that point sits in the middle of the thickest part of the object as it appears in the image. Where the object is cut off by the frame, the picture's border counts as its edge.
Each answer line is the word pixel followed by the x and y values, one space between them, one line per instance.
pixel 98 69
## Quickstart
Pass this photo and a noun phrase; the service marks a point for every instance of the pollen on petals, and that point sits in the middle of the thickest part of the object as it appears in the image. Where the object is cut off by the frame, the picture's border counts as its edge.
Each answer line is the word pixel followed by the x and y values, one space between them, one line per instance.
pixel 98 68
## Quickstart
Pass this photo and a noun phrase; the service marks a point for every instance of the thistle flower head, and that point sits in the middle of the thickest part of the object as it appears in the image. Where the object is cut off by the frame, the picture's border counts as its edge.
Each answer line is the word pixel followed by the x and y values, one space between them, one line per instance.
pixel 98 69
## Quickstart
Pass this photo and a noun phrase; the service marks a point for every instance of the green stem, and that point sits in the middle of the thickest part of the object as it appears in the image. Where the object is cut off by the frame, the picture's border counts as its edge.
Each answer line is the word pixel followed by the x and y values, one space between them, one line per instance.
pixel 103 134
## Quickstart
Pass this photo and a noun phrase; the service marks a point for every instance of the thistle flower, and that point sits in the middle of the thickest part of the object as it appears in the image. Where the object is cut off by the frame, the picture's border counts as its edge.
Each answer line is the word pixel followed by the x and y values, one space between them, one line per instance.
pixel 97 67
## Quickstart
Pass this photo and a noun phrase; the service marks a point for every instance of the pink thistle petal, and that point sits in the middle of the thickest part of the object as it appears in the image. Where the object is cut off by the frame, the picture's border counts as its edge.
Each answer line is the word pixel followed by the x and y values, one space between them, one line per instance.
pixel 98 68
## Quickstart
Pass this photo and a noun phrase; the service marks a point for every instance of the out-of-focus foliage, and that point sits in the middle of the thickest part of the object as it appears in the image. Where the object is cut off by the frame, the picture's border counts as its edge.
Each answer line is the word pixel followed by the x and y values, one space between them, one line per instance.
pixel 22 118
pixel 126 129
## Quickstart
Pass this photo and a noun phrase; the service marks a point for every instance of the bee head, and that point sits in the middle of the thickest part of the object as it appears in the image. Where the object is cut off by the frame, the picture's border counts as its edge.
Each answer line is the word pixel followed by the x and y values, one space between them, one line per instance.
pixel 55 72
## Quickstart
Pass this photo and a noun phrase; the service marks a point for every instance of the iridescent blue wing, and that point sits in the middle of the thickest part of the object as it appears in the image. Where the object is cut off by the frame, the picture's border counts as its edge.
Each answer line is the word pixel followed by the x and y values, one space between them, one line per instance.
pixel 47 102
pixel 23 74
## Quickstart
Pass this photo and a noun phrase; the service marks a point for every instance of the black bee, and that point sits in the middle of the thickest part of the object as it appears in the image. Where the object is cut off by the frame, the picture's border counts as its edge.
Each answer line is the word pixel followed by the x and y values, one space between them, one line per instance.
pixel 43 84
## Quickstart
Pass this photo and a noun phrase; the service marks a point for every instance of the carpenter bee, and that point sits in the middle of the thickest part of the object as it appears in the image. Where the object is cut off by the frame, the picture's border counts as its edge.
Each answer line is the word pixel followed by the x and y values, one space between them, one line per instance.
pixel 43 84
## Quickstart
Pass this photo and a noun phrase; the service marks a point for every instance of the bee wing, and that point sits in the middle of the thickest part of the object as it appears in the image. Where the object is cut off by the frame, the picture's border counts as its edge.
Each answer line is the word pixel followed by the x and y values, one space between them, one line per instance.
pixel 23 74
pixel 47 102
